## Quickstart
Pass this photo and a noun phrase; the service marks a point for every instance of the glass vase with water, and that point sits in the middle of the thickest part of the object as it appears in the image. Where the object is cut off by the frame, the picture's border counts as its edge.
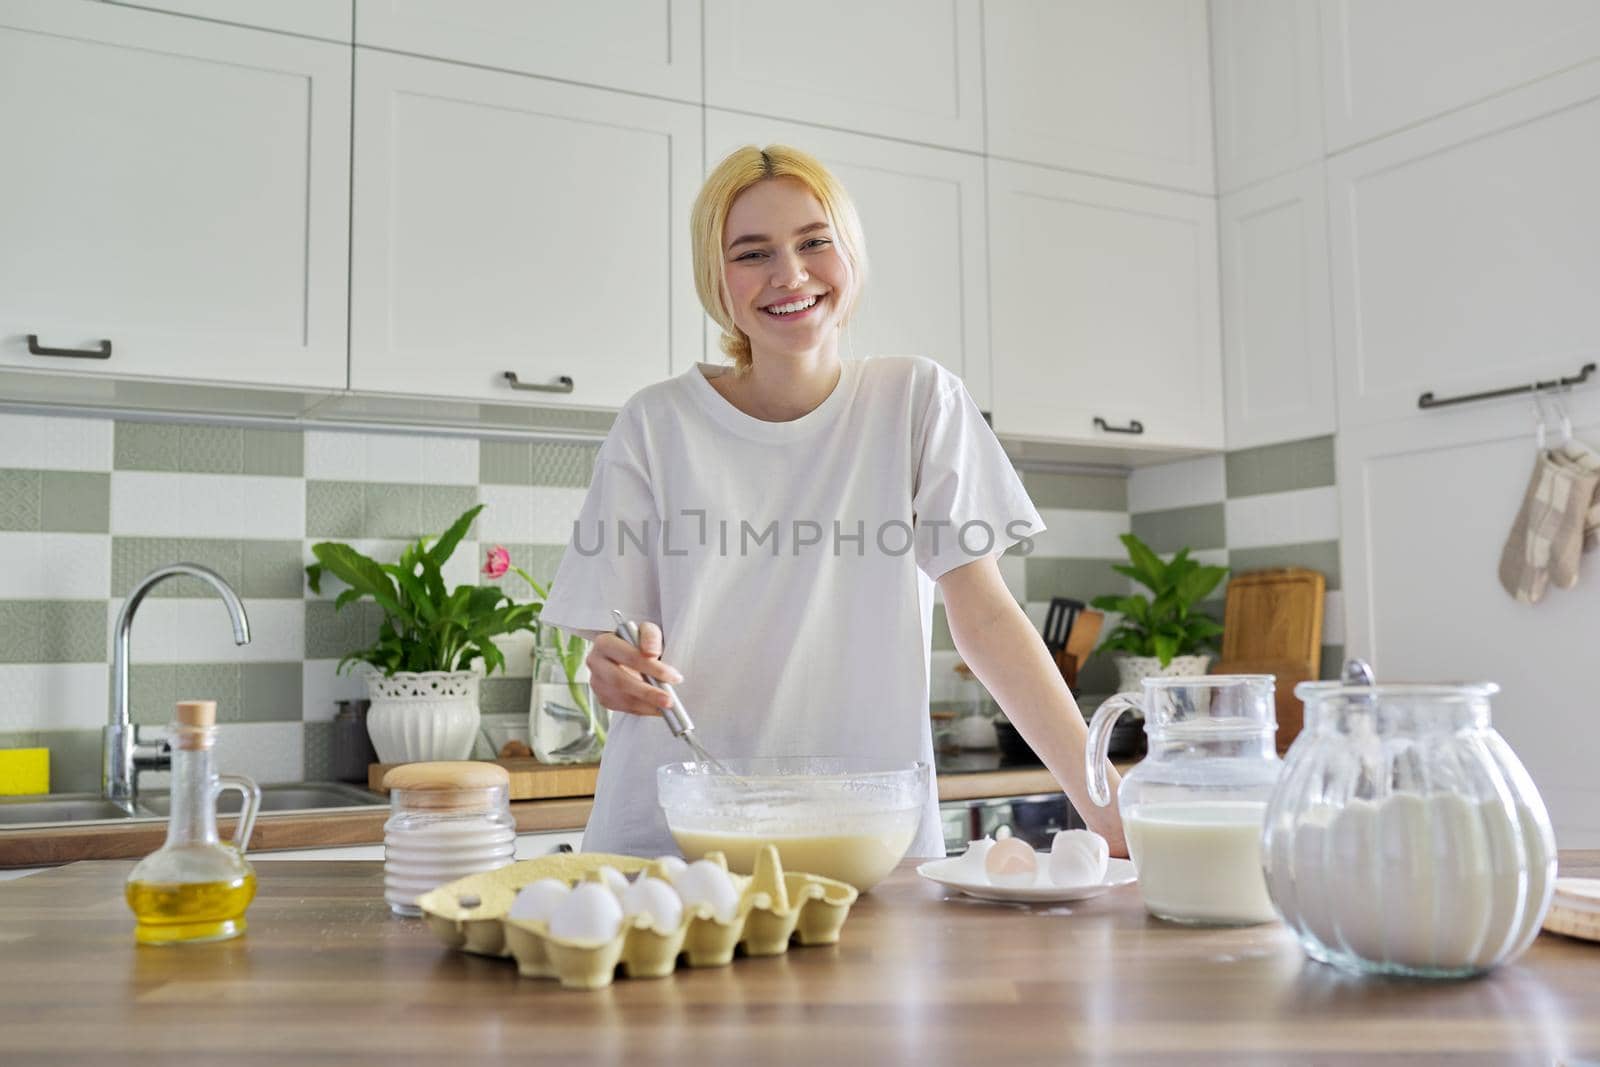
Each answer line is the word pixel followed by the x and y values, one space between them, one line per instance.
pixel 565 722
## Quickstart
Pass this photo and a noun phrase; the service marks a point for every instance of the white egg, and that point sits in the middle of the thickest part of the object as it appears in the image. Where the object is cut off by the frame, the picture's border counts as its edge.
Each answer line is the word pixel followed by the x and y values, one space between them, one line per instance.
pixel 614 881
pixel 969 866
pixel 539 900
pixel 671 867
pixel 589 913
pixel 654 898
pixel 1078 857
pixel 703 882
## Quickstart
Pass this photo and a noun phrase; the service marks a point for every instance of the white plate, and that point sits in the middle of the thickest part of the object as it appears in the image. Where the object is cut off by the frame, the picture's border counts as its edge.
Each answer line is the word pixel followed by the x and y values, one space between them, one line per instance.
pixel 948 872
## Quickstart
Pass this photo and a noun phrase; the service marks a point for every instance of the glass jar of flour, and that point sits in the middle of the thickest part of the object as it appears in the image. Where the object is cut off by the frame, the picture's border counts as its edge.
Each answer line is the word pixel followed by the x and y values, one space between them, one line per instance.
pixel 448 820
pixel 1405 836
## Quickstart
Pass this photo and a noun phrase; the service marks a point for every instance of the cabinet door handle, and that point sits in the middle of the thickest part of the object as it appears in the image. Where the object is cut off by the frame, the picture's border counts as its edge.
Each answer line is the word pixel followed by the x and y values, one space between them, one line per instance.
pixel 102 352
pixel 1134 426
pixel 562 384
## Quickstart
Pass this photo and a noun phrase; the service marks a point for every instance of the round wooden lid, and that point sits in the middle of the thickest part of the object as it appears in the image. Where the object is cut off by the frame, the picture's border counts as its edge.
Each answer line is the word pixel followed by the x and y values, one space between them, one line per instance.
pixel 446 775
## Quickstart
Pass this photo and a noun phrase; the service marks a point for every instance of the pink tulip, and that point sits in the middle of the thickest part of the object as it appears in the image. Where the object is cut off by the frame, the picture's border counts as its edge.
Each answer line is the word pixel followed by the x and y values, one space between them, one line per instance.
pixel 498 563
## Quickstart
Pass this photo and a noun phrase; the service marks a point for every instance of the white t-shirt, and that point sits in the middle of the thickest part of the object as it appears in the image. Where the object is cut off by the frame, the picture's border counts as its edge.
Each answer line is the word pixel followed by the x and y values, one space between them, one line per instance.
pixel 790 566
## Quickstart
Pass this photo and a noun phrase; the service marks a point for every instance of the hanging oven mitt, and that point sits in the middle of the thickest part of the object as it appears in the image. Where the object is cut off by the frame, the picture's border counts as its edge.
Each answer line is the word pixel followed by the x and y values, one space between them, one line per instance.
pixel 1547 536
pixel 1580 457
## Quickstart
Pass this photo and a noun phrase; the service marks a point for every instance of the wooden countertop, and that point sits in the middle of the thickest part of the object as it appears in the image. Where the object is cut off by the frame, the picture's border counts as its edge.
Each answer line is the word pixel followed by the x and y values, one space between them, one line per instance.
pixel 920 976
pixel 49 845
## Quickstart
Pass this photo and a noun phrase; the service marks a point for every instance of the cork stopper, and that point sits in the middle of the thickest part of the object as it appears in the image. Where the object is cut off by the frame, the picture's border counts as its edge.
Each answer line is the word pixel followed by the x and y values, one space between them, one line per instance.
pixel 445 784
pixel 195 718
pixel 197 712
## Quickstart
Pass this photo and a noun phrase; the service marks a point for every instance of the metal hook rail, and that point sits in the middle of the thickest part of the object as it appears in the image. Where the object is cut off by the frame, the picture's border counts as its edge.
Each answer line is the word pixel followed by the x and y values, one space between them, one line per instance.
pixel 1427 400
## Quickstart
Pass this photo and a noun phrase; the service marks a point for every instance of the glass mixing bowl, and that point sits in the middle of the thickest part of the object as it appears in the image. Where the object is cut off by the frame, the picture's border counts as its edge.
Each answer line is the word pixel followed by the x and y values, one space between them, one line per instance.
pixel 841 817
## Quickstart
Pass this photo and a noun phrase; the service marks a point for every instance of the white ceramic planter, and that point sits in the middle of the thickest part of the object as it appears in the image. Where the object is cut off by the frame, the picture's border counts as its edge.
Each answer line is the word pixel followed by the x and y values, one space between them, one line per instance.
pixel 423 715
pixel 1133 670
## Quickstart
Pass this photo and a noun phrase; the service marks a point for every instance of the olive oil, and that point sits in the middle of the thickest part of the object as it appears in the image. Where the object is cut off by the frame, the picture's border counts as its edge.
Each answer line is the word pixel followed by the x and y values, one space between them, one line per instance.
pixel 195 887
pixel 170 912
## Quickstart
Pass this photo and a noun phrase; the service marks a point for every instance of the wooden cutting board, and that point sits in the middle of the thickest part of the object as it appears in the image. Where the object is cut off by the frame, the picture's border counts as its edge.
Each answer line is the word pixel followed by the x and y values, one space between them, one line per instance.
pixel 530 779
pixel 1272 624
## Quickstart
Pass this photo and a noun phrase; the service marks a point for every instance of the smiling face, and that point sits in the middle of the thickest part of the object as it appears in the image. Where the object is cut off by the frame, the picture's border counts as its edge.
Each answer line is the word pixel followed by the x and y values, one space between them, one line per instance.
pixel 788 280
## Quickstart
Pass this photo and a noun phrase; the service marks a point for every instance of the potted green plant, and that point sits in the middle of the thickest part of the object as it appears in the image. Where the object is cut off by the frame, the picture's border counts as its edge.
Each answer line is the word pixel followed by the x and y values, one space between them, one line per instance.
pixel 1161 635
pixel 422 683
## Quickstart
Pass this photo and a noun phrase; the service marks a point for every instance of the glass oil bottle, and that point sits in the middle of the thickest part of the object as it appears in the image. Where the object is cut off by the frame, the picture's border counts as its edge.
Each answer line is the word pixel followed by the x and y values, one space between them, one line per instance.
pixel 195 887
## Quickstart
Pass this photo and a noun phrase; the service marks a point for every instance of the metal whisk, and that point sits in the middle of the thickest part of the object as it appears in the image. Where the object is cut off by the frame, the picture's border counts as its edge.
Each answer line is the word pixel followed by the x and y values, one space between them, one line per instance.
pixel 676 716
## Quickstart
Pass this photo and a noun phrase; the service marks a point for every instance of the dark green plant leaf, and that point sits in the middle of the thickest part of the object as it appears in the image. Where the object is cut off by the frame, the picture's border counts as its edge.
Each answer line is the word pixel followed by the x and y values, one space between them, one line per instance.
pixel 358 572
pixel 452 537
pixel 1152 572
pixel 1198 584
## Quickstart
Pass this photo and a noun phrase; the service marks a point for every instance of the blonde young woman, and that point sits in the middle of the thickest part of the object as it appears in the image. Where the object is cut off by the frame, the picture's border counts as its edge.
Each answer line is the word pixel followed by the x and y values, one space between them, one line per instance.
pixel 782 522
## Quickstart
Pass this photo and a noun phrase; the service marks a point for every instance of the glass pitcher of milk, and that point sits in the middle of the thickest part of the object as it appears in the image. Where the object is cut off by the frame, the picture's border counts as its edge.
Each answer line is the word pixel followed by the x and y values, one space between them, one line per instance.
pixel 1193 810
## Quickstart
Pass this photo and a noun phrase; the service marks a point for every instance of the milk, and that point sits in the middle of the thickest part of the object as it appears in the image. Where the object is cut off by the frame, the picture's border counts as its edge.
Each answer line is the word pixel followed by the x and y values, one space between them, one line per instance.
pixel 1200 863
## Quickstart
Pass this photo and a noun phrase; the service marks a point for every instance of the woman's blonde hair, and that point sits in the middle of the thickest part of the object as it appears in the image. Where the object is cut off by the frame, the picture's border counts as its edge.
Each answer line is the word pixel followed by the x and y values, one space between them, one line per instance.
pixel 741 169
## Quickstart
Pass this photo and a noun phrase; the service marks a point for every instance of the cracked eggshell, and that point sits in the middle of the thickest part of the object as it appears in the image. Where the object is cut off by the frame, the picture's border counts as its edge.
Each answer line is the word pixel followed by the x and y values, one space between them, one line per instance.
pixel 1011 862
pixel 970 865
pixel 590 913
pixel 1078 857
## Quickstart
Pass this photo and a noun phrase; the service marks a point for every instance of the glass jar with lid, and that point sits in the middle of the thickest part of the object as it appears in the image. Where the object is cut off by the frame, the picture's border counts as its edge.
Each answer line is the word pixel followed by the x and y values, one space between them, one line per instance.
pixel 448 820
pixel 1405 836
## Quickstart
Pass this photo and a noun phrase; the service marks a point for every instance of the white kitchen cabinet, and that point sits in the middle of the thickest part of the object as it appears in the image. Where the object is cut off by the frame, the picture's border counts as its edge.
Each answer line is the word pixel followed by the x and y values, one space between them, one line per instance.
pixel 909 69
pixel 176 191
pixel 643 46
pixel 1267 75
pixel 1103 311
pixel 922 212
pixel 1466 252
pixel 1426 507
pixel 1387 65
pixel 1277 331
pixel 1103 86
pixel 506 224
pixel 328 19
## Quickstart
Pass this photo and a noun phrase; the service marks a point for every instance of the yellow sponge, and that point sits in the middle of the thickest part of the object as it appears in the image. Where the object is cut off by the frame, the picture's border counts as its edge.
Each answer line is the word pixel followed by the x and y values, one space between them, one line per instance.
pixel 24 771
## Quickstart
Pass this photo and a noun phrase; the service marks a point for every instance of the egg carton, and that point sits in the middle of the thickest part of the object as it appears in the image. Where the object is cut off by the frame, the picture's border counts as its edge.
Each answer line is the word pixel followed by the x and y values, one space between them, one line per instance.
pixel 774 908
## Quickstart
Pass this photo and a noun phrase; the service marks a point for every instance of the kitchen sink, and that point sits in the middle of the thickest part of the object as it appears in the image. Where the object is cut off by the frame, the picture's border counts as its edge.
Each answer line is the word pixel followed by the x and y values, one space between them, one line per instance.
pixel 91 807
pixel 293 796
pixel 64 807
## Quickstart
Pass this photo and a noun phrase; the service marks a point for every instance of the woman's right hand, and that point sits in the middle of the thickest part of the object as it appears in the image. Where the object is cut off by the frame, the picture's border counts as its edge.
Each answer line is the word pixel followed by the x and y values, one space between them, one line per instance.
pixel 616 669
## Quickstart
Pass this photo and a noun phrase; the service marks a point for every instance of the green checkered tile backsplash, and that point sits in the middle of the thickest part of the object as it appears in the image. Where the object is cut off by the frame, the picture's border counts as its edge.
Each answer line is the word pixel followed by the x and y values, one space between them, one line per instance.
pixel 255 569
pixel 530 463
pixel 384 511
pixel 199 449
pixel 52 631
pixel 55 501
pixel 1252 509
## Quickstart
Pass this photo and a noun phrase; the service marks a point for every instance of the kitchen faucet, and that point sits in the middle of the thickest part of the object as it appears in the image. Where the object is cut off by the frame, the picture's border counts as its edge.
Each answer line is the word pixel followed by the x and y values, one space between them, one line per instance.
pixel 122 756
